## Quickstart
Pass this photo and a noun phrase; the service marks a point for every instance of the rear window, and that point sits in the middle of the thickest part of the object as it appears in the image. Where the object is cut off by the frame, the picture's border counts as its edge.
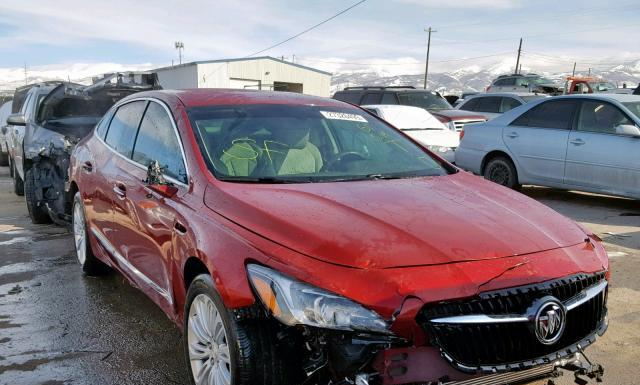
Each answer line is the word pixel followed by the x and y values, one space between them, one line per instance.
pixel 556 114
pixel 349 97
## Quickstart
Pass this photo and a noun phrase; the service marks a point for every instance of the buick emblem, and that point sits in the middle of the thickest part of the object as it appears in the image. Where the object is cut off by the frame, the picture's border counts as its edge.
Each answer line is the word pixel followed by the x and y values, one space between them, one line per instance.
pixel 550 321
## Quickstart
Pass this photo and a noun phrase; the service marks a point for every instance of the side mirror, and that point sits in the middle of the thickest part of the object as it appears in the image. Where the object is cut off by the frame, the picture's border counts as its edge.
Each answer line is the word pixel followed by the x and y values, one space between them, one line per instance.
pixel 628 129
pixel 16 120
pixel 155 181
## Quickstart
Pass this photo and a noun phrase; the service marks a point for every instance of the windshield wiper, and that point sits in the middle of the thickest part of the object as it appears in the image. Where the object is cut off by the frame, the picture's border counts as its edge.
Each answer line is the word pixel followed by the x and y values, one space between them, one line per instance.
pixel 386 176
pixel 264 179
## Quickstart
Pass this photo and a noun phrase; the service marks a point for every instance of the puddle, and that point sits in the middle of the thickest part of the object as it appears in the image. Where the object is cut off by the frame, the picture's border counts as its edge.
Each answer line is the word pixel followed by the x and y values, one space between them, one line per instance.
pixel 15 240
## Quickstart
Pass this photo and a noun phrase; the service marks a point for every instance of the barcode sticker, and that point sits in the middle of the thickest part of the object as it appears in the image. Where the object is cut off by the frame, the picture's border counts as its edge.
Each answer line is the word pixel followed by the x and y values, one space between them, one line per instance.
pixel 343 116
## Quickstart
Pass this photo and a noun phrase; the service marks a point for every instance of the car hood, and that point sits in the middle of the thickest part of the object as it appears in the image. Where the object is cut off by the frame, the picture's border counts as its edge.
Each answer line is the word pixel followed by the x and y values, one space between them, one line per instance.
pixel 444 138
pixel 396 223
pixel 458 114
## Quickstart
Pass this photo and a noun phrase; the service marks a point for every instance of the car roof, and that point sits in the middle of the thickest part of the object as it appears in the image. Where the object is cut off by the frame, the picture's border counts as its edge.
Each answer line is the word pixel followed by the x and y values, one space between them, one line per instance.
pixel 622 98
pixel 221 96
pixel 520 94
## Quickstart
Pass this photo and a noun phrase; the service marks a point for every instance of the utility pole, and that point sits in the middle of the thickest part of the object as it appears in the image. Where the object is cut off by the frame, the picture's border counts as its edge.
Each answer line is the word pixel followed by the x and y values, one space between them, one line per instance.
pixel 519 52
pixel 574 69
pixel 26 78
pixel 589 71
pixel 293 59
pixel 179 46
pixel 426 68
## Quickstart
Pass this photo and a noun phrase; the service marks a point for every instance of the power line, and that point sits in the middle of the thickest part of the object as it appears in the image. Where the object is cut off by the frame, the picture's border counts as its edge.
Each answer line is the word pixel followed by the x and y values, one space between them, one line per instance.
pixel 309 29
pixel 404 64
pixel 292 37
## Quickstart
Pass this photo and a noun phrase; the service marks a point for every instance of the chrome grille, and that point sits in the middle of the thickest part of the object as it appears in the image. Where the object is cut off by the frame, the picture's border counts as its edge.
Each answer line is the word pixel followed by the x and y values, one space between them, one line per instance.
pixel 488 346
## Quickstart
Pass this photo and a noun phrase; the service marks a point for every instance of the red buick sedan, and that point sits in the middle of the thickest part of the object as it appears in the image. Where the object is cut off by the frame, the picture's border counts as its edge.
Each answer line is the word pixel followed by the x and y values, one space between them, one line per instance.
pixel 298 239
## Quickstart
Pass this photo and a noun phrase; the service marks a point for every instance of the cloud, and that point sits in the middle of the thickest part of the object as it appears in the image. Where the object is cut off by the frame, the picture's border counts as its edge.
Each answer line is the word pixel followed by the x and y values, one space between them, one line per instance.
pixel 483 4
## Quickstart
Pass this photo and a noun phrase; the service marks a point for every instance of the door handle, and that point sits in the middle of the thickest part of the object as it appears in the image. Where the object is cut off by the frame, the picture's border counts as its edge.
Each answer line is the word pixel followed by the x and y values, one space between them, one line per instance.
pixel 513 135
pixel 87 166
pixel 120 189
pixel 179 227
pixel 578 142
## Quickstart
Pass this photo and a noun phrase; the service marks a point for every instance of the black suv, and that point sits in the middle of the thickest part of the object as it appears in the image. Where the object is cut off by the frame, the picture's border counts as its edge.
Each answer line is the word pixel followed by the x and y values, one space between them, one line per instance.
pixel 431 101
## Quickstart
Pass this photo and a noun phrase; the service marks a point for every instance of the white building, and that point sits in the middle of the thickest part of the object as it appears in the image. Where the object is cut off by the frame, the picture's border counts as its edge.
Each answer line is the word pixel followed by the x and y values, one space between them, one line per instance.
pixel 259 73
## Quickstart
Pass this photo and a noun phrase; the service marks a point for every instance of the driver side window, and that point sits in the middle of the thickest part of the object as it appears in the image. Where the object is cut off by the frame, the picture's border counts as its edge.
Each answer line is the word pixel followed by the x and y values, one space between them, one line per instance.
pixel 157 140
pixel 601 117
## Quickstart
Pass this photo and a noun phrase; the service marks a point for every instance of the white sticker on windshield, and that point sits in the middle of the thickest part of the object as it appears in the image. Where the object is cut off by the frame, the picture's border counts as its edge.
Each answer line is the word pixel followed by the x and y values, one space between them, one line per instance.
pixel 343 116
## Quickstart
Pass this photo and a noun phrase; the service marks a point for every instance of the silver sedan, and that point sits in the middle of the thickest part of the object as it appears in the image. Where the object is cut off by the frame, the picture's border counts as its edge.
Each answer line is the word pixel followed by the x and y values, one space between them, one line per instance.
pixel 578 142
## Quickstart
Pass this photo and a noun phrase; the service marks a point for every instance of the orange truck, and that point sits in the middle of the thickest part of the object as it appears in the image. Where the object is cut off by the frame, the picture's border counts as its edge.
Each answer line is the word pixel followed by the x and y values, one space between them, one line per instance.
pixel 587 85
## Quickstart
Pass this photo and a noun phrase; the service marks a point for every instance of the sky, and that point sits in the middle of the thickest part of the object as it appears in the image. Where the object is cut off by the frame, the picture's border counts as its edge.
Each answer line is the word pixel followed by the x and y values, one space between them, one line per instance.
pixel 384 35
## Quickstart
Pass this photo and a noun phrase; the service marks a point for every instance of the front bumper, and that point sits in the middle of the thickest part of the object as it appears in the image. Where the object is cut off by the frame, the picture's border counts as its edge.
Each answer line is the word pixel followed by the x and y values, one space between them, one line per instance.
pixel 468 347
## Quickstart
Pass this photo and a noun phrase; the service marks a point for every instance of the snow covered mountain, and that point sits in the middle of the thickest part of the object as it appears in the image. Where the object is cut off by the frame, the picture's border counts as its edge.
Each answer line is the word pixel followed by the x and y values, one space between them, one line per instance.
pixel 473 78
pixel 465 78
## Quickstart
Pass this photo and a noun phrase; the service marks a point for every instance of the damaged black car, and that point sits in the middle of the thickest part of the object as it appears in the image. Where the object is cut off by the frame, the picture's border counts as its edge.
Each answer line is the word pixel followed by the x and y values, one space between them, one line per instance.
pixel 53 123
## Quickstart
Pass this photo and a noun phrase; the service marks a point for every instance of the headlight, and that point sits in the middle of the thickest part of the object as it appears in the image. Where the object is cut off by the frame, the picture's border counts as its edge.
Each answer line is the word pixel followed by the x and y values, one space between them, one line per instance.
pixel 296 303
pixel 439 149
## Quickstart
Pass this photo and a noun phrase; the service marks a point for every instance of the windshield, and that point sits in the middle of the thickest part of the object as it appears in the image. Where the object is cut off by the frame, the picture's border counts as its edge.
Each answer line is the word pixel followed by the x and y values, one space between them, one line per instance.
pixel 634 107
pixel 541 80
pixel 297 144
pixel 602 86
pixel 428 100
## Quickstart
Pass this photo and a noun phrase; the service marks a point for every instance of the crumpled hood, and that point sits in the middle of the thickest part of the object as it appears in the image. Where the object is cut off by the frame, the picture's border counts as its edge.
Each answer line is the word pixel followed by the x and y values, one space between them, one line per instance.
pixel 396 223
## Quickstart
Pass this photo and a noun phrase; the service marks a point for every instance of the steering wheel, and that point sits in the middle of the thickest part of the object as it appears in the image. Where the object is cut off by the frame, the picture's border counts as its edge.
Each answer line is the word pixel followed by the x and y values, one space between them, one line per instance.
pixel 346 157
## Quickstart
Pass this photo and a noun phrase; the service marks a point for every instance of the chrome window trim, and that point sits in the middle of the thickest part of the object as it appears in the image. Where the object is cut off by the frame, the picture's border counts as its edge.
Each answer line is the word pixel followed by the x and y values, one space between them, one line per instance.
pixel 123 262
pixel 570 304
pixel 175 131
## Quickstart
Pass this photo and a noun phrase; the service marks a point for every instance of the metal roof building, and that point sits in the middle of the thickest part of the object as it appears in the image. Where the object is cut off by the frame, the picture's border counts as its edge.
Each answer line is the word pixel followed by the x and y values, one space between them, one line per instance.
pixel 259 73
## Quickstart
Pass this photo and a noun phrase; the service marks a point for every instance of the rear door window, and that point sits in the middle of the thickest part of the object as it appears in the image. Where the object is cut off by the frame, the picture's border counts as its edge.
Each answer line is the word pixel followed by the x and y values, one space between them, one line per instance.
pixel 124 126
pixel 157 141
pixel 471 105
pixel 509 104
pixel 389 98
pixel 372 98
pixel 489 104
pixel 556 114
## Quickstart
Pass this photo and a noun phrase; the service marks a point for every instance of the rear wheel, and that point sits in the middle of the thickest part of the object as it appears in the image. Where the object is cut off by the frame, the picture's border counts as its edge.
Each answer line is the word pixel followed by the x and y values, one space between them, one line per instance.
pixel 4 158
pixel 222 350
pixel 502 171
pixel 37 212
pixel 18 185
pixel 90 264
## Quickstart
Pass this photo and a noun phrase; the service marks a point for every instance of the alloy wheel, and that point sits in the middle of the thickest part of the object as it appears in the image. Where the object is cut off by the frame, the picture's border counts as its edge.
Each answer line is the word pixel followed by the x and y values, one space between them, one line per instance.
pixel 208 346
pixel 79 233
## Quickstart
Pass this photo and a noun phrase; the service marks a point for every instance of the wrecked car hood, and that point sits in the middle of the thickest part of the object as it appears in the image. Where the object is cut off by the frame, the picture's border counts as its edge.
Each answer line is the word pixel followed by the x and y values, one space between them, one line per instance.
pixel 396 223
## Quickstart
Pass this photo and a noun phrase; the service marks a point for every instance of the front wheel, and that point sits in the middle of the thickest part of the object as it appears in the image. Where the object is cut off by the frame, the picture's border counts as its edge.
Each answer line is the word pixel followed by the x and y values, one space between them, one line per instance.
pixel 222 350
pixel 4 158
pixel 18 184
pixel 502 171
pixel 37 212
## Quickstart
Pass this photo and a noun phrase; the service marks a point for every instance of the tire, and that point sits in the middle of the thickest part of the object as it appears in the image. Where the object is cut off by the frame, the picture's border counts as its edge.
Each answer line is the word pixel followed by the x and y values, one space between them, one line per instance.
pixel 38 213
pixel 18 184
pixel 502 171
pixel 91 265
pixel 4 159
pixel 254 357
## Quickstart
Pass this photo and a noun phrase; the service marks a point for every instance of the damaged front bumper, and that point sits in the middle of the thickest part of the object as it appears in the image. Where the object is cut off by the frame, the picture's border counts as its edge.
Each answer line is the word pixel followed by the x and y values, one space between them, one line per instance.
pixel 442 344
